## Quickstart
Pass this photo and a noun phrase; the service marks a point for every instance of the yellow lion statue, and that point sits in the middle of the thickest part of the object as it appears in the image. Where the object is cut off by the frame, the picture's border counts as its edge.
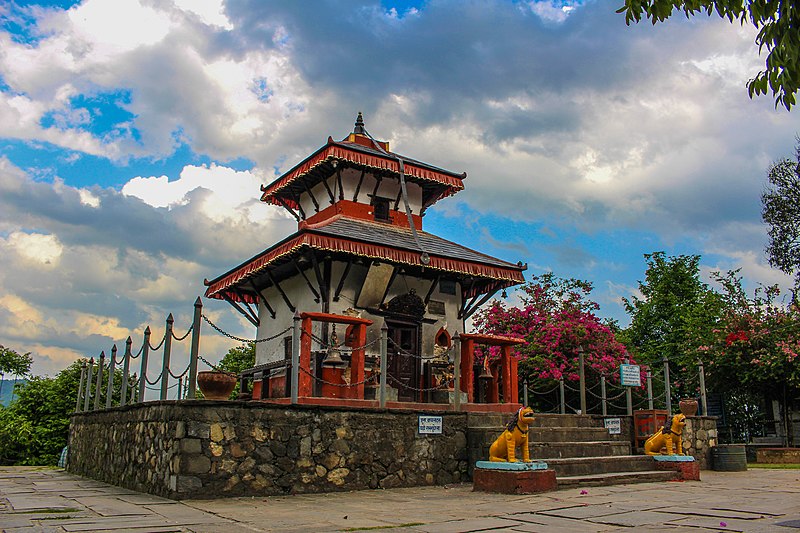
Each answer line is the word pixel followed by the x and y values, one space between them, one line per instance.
pixel 516 434
pixel 666 438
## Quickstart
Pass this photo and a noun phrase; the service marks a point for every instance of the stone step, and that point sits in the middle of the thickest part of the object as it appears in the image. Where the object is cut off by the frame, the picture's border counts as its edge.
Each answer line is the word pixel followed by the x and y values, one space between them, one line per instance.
pixel 616 478
pixel 558 450
pixel 567 434
pixel 499 420
pixel 582 466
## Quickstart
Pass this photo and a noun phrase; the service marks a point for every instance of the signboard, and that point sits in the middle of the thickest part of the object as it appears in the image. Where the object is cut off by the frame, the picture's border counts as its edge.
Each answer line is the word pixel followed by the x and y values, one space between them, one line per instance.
pixel 430 425
pixel 630 376
pixel 613 425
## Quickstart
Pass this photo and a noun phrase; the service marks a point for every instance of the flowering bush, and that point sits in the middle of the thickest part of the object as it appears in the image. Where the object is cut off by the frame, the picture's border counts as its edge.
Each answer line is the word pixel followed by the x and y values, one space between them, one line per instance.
pixel 555 319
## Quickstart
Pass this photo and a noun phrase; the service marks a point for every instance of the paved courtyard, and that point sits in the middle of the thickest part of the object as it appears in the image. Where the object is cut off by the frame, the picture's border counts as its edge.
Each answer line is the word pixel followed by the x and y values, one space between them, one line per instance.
pixel 36 499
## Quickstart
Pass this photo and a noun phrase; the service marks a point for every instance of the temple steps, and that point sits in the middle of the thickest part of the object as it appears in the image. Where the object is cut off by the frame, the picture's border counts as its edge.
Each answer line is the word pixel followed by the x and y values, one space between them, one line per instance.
pixel 577 447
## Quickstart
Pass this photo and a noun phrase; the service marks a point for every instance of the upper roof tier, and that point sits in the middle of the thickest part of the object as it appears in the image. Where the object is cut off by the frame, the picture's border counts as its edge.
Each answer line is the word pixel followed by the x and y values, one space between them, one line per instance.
pixel 361 152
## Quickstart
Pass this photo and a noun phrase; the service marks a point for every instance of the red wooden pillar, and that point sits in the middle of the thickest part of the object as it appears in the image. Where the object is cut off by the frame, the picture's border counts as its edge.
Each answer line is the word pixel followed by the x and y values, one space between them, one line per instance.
pixel 357 363
pixel 509 377
pixel 305 385
pixel 467 357
pixel 514 379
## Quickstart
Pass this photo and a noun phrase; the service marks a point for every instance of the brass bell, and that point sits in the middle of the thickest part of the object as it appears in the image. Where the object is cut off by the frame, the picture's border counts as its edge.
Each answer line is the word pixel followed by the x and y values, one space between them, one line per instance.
pixel 334 357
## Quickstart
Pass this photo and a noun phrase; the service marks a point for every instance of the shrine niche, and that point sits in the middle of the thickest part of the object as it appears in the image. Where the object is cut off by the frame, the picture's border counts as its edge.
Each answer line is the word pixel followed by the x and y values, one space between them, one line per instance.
pixel 360 259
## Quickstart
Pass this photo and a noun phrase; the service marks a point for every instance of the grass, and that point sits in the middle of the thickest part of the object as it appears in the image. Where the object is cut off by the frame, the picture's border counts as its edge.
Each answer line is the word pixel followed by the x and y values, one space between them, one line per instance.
pixel 776 466
pixel 373 528
pixel 50 510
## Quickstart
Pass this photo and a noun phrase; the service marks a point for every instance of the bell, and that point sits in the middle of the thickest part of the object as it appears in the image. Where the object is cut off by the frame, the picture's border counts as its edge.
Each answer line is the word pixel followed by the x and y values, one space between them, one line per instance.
pixel 334 357
pixel 486 374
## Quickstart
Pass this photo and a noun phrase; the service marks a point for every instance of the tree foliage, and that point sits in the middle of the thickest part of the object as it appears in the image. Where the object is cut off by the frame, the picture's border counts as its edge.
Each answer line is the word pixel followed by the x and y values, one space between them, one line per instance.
pixel 781 211
pixel 556 318
pixel 12 362
pixel 675 314
pixel 237 359
pixel 778 25
pixel 35 427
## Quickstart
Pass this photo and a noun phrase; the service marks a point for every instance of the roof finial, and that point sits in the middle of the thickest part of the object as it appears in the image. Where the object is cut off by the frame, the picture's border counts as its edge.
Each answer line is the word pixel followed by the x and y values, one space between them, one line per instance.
pixel 360 124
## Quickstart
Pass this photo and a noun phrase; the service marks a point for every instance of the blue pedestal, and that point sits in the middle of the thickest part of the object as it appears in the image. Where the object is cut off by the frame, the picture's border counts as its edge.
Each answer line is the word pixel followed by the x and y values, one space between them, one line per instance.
pixel 514 467
pixel 674 458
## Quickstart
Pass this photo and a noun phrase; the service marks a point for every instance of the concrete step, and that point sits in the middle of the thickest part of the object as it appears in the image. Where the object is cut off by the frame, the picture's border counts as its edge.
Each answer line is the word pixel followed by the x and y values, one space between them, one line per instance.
pixel 616 478
pixel 582 466
pixel 499 420
pixel 558 450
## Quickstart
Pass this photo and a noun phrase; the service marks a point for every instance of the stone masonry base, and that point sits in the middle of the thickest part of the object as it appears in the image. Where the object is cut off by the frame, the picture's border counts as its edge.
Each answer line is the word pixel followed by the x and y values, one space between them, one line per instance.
pixel 514 482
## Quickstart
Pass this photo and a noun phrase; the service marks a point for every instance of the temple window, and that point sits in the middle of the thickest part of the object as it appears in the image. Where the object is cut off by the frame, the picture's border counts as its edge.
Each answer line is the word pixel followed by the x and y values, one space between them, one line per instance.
pixel 380 208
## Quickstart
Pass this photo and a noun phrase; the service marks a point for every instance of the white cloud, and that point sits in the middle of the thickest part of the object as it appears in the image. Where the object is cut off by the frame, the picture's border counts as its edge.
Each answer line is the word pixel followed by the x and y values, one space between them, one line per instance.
pixel 38 248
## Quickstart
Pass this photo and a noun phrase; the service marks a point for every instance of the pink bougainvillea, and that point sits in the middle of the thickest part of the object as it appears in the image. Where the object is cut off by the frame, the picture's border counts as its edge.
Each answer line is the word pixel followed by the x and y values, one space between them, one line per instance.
pixel 555 318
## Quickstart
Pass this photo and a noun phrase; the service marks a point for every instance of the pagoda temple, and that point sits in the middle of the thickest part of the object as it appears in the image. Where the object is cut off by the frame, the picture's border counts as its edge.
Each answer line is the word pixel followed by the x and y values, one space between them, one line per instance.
pixel 358 262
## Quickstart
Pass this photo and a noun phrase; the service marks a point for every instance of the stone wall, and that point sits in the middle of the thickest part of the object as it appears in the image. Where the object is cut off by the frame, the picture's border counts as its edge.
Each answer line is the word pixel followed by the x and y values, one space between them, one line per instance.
pixel 210 449
pixel 699 436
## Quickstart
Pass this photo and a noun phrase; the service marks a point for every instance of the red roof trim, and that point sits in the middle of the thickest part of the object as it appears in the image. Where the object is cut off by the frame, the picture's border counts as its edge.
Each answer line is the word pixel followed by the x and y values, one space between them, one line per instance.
pixel 507 276
pixel 335 151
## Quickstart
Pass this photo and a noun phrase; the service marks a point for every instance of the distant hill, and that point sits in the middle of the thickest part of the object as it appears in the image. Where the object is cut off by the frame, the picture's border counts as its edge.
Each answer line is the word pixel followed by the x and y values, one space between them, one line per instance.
pixel 6 390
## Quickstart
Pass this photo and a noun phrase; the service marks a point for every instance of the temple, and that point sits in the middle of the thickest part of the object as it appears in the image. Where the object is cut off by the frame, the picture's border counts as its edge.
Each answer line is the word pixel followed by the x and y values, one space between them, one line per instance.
pixel 361 261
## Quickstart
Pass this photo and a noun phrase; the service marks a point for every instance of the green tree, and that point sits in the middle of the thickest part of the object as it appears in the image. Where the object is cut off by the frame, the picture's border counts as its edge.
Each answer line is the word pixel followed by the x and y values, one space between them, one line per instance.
pixel 675 314
pixel 237 359
pixel 781 211
pixel 755 347
pixel 35 427
pixel 12 362
pixel 778 25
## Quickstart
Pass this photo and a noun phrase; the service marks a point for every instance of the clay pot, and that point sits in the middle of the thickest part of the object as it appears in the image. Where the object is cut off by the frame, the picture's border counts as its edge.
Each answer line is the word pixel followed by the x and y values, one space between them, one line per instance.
pixel 688 406
pixel 216 385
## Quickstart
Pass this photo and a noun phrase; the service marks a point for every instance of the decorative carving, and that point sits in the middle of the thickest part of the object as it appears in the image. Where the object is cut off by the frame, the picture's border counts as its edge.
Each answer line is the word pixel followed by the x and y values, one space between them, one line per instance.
pixel 407 304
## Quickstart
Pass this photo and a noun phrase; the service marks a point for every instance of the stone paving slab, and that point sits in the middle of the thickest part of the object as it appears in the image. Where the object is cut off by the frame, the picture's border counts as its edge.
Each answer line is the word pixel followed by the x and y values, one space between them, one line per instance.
pixel 752 501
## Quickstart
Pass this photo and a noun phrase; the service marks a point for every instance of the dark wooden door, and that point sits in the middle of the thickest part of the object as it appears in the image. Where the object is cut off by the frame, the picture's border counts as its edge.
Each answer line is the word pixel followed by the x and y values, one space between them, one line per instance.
pixel 403 360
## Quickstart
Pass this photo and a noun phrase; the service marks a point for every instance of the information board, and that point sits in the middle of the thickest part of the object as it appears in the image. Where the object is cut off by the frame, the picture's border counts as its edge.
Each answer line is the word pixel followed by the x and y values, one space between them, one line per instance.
pixel 630 375
pixel 430 425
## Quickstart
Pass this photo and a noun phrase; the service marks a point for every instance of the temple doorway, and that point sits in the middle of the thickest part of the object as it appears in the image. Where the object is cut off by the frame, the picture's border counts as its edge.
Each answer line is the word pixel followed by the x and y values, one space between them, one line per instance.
pixel 403 359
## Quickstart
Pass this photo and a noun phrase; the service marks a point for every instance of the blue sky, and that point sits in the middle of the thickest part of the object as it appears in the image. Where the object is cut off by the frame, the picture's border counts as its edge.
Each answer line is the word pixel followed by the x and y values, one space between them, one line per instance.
pixel 134 136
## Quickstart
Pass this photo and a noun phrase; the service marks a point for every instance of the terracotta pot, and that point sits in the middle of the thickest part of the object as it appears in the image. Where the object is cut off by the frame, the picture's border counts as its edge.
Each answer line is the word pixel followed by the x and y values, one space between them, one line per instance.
pixel 216 385
pixel 688 406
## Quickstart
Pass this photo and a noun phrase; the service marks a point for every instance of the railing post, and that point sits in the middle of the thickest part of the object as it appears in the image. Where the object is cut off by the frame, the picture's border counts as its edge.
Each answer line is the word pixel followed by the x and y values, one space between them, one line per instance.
pixel 603 394
pixel 649 390
pixel 667 393
pixel 384 352
pixel 167 352
pixel 525 392
pixel 99 382
pixel 582 378
pixel 563 400
pixel 703 397
pixel 126 371
pixel 456 368
pixel 180 385
pixel 143 372
pixel 88 394
pixel 295 357
pixel 194 352
pixel 110 389
pixel 629 393
pixel 80 387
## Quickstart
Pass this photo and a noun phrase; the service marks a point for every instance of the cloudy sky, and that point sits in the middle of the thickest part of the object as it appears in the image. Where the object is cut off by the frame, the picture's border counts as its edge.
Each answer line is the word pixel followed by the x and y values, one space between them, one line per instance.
pixel 134 135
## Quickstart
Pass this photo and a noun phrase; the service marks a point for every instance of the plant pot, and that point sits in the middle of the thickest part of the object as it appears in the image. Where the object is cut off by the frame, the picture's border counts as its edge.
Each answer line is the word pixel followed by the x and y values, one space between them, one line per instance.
pixel 688 406
pixel 216 385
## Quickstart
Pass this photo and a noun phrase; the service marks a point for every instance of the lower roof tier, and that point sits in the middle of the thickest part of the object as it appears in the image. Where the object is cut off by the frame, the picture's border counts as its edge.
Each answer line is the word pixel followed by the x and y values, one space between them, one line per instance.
pixel 479 273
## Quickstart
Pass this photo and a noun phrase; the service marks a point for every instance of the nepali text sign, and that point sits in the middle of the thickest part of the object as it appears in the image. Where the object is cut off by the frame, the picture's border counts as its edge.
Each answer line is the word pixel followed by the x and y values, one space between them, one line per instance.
pixel 613 425
pixel 430 425
pixel 630 376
